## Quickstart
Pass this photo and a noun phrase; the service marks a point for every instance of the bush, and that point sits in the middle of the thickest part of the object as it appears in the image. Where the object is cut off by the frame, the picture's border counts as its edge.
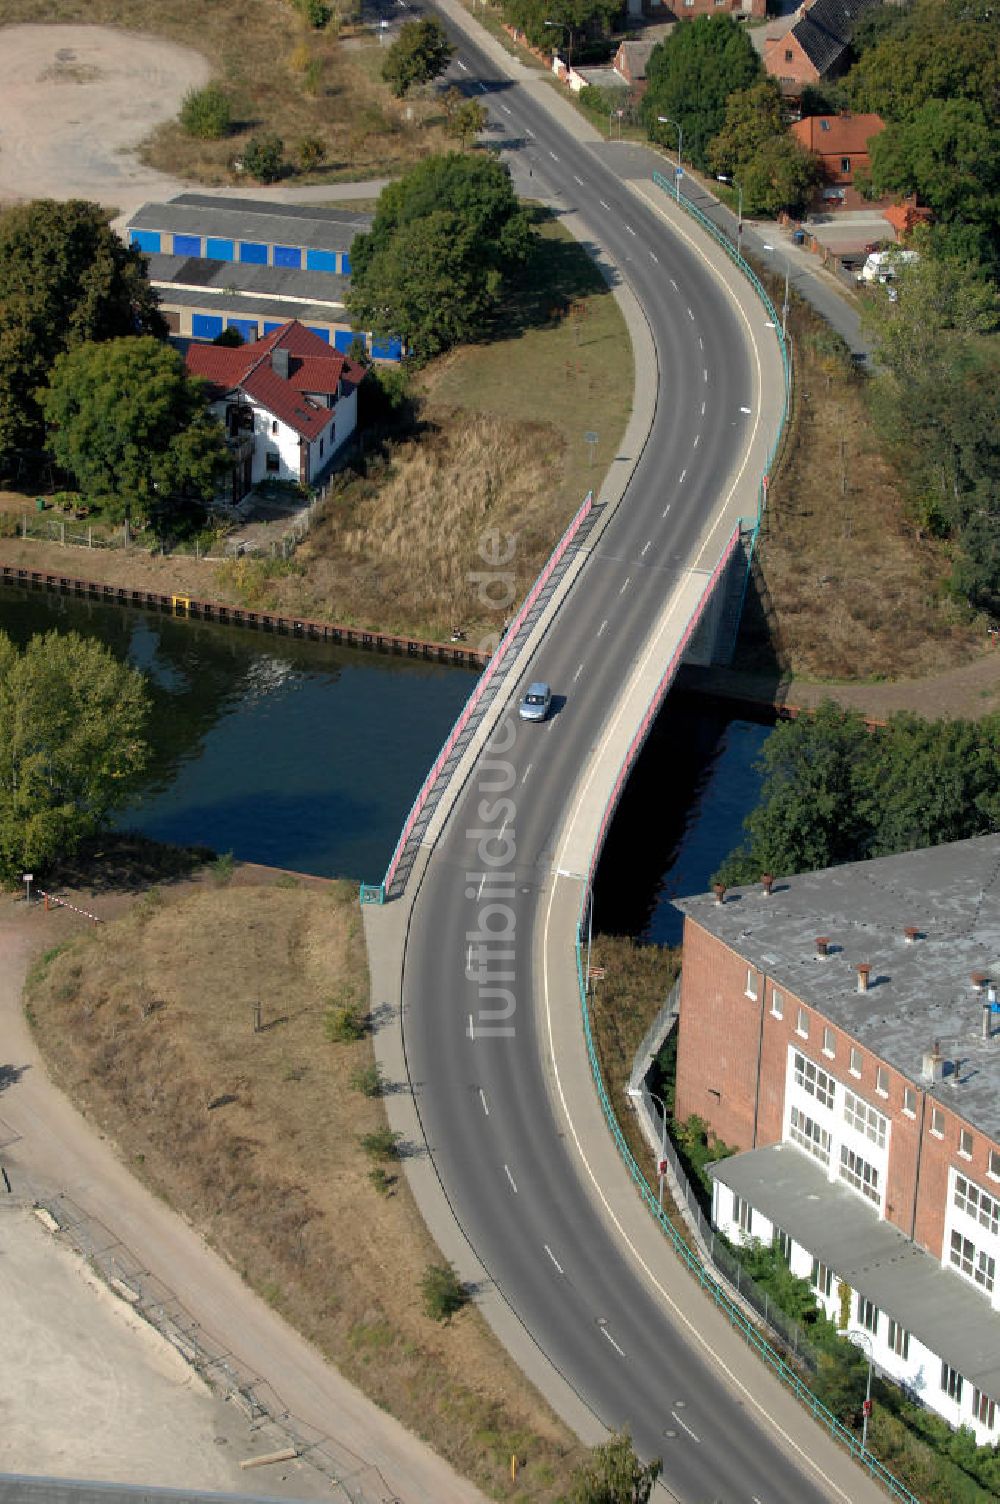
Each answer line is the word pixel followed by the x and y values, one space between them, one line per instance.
pixel 382 1182
pixel 381 1144
pixel 222 869
pixel 206 113
pixel 345 1023
pixel 368 1080
pixel 310 152
pixel 230 338
pixel 315 12
pixel 443 1291
pixel 263 158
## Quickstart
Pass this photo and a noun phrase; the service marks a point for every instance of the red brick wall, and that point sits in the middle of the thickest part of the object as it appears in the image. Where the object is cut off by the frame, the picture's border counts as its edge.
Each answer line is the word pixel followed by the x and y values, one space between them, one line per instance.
pixel 718 1038
pixel 798 68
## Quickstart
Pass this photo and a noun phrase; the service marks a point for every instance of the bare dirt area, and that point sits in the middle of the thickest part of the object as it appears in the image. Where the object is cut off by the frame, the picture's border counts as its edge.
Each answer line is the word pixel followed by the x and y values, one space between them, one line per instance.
pixel 75 105
pixel 147 1023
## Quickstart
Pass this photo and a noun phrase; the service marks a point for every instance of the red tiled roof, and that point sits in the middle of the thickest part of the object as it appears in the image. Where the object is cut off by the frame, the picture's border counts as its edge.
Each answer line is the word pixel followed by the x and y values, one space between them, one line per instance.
pixel 312 367
pixel 837 135
pixel 904 216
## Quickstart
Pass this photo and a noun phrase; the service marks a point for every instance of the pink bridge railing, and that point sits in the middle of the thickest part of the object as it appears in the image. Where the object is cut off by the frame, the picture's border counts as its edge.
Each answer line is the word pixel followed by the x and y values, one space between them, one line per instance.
pixel 659 695
pixel 489 673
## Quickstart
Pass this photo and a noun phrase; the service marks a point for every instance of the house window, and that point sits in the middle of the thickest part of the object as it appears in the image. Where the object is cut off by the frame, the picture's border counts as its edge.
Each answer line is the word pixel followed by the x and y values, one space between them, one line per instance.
pixel 824 125
pixel 977 1204
pixel 994 1169
pixel 972 1262
pixel 951 1383
pixel 802 1023
pixel 788 54
pixel 984 1409
pixel 829 1043
pixel 910 1101
pixel 751 984
pixel 321 446
pixel 865 1119
pixel 855 1062
pixel 782 1243
pixel 868 1314
pixel 743 1214
pixel 777 1005
pixel 845 164
pixel 821 1278
pixel 272 462
pixel 965 1144
pixel 937 1122
pixel 860 1174
pixel 899 1340
pixel 809 1135
pixel 813 1080
pixel 882 1081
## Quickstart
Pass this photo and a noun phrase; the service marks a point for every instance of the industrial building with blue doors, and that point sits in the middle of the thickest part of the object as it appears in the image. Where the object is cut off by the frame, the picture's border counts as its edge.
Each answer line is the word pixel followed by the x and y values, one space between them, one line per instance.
pixel 222 263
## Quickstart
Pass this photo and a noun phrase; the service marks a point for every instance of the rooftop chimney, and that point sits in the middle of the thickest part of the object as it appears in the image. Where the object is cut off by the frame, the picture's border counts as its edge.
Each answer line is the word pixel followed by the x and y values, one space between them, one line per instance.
pixel 864 972
pixel 767 883
pixel 822 944
pixel 932 1069
pixel 912 933
pixel 979 980
pixel 279 362
pixel 720 892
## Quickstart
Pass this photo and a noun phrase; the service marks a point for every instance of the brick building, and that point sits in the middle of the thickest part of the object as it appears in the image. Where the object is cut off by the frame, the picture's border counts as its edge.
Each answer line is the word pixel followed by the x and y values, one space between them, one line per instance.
pixel 842 1030
pixel 817 46
pixel 840 143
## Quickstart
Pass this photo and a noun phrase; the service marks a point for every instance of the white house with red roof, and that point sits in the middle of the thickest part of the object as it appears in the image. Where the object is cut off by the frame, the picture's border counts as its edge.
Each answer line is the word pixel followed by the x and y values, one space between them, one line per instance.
pixel 288 402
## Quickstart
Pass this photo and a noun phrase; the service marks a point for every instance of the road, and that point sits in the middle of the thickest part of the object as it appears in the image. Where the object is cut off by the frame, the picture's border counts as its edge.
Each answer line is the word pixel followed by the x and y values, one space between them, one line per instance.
pixel 481 1077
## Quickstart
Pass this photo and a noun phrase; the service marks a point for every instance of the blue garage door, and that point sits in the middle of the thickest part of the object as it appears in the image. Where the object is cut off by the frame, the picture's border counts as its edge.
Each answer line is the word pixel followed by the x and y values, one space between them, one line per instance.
pixel 270 328
pixel 187 245
pixel 343 339
pixel 345 264
pixel 288 255
pixel 321 261
pixel 387 349
pixel 247 328
pixel 323 333
pixel 254 252
pixel 218 250
pixel 146 240
pixel 205 325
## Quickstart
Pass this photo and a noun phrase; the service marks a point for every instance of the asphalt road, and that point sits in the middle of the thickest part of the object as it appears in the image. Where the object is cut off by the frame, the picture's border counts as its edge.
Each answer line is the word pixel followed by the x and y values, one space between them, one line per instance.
pixel 483 1097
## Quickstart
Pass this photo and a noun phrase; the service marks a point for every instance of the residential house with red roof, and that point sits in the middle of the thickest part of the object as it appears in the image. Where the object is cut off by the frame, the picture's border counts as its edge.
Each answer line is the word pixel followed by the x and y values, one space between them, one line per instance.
pixel 817 46
pixel 288 401
pixel 841 144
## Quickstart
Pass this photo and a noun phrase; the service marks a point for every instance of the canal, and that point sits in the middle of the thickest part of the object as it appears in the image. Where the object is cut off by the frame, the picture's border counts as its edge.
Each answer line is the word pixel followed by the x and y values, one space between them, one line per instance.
pixel 307 756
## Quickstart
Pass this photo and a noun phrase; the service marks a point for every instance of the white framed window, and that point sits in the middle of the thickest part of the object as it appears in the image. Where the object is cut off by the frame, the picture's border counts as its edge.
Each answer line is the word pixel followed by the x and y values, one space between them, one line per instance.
pixel 965 1143
pixel 951 1383
pixel 984 1409
pixel 829 1042
pixel 813 1080
pixel 865 1119
pixel 743 1214
pixel 809 1135
pixel 751 989
pixel 910 1101
pixel 994 1168
pixel 860 1174
pixel 973 1262
pixel 881 1080
pixel 868 1314
pixel 855 1061
pixel 976 1203
pixel 937 1122
pixel 802 1023
pixel 821 1278
pixel 777 1005
pixel 274 425
pixel 899 1340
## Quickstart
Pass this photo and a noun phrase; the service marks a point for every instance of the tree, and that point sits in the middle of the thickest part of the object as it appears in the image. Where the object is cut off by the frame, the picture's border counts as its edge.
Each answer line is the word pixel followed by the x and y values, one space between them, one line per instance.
pixel 547 23
pixel 754 148
pixel 947 153
pixel 938 49
pixel 419 54
pixel 613 1474
pixel 71 745
pixel 940 302
pixel 690 77
pixel 206 113
pixel 444 239
pixel 132 428
pixel 467 121
pixel 65 277
pixel 263 158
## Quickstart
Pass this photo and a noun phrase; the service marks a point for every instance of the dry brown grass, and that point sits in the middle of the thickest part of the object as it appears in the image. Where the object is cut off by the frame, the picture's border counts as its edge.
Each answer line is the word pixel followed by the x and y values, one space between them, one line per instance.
pixel 854 591
pixel 147 1024
pixel 281 76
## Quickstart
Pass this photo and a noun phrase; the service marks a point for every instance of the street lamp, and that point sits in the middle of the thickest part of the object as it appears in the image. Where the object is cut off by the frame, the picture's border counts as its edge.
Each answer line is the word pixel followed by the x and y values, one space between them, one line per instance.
pixel 857 1337
pixel 784 305
pixel 567 27
pixel 666 120
pixel 721 178
pixel 634 1091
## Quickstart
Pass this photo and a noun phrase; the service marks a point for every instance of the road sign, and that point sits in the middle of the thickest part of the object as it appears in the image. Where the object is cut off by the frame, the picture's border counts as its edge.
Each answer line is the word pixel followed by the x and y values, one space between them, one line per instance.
pixel 590 438
pixel 662 1167
pixel 597 973
pixel 866 1407
pixel 678 172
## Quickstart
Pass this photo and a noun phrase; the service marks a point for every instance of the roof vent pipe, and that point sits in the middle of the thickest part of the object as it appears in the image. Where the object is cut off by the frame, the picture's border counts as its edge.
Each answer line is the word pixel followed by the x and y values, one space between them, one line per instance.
pixel 864 972
pixel 767 883
pixel 822 945
pixel 932 1068
pixel 912 933
pixel 720 892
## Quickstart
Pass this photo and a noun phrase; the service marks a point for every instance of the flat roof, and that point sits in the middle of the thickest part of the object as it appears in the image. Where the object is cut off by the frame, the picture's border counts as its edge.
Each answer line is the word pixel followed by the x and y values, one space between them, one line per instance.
pixel 248 219
pixel 264 281
pixel 935 1304
pixel 919 991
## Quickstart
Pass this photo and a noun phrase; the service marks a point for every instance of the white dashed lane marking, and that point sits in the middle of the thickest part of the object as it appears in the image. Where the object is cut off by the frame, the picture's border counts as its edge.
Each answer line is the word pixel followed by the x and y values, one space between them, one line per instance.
pixel 510 1178
pixel 552 1256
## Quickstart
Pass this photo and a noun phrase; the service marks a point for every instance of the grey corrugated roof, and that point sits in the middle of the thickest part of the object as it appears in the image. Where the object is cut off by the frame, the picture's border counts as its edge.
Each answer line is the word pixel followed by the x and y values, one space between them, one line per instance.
pixel 240 304
pixel 936 1305
pixel 919 991
pixel 264 281
pixel 326 230
pixel 824 32
pixel 319 212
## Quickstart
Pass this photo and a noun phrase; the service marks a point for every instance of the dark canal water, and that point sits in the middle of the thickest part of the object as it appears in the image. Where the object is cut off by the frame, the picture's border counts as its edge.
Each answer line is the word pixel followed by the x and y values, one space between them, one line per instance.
pixel 307 756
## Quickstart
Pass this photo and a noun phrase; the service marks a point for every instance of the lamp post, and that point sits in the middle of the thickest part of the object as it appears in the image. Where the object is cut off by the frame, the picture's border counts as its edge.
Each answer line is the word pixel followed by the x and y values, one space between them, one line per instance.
pixel 634 1091
pixel 721 178
pixel 784 304
pixel 857 1337
pixel 666 120
pixel 567 27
